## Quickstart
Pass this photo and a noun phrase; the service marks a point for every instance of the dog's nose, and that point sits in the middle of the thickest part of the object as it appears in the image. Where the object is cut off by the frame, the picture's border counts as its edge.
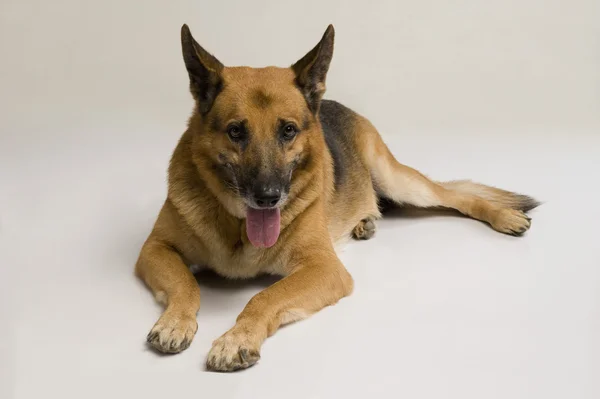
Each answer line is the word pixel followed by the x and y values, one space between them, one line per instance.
pixel 267 197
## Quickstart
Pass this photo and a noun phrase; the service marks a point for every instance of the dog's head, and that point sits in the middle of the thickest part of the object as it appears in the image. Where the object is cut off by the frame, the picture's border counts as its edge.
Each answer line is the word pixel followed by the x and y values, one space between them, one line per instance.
pixel 255 130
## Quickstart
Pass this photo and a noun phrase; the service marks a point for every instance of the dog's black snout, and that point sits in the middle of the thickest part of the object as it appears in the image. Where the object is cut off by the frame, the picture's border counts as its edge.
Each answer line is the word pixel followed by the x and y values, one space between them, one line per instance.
pixel 267 197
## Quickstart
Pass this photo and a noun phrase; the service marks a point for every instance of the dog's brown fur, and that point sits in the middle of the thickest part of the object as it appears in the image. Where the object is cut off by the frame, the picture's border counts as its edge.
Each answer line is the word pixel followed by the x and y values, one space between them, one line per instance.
pixel 340 168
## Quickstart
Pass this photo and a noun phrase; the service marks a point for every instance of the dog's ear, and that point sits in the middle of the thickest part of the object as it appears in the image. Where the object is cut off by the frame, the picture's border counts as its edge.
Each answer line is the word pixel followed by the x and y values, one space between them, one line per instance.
pixel 204 70
pixel 312 69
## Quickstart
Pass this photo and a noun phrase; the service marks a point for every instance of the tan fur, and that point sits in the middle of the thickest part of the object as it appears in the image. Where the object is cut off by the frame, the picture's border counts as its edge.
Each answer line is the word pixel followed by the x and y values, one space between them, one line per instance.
pixel 502 209
pixel 202 221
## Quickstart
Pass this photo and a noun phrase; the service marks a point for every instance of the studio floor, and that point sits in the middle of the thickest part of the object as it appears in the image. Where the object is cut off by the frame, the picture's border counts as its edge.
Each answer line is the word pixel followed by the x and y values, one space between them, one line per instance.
pixel 443 307
pixel 94 96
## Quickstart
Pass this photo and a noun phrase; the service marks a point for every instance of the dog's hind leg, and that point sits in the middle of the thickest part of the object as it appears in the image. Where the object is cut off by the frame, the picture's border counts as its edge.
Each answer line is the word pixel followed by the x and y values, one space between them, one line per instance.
pixel 364 230
pixel 503 210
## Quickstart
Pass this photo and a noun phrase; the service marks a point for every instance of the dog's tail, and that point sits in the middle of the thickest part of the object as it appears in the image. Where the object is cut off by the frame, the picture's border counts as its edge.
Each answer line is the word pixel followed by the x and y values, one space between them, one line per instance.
pixel 497 196
pixel 403 185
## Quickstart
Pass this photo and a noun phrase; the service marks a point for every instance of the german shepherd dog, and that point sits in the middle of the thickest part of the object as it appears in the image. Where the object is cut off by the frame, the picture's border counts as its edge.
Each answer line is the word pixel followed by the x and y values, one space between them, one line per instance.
pixel 267 178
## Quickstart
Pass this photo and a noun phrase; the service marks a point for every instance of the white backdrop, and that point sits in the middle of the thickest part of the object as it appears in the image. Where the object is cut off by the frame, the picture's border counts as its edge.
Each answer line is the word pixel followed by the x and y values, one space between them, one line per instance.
pixel 93 97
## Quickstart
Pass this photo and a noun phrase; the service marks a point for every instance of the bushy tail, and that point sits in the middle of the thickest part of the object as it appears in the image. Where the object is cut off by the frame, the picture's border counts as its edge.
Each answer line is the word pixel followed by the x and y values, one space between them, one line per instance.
pixel 502 209
pixel 404 185
pixel 497 196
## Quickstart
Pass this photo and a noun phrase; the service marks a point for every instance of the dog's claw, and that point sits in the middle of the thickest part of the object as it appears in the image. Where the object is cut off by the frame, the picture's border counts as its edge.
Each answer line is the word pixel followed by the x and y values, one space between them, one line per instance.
pixel 232 352
pixel 511 221
pixel 151 336
pixel 364 230
pixel 172 334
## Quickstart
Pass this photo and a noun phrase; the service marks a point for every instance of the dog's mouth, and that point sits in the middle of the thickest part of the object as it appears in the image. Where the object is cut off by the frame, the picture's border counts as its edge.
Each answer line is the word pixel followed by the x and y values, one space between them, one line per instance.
pixel 263 226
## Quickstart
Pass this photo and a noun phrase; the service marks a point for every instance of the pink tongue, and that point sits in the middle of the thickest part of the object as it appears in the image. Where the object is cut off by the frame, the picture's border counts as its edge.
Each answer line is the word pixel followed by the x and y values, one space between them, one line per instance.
pixel 262 226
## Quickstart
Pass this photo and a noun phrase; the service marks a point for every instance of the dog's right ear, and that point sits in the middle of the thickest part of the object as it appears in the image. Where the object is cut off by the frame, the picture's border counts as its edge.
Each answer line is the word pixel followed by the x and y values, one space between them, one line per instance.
pixel 204 71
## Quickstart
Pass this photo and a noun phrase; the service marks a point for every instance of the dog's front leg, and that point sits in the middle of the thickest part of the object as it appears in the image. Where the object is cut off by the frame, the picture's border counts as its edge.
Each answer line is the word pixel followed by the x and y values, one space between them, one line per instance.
pixel 318 279
pixel 172 283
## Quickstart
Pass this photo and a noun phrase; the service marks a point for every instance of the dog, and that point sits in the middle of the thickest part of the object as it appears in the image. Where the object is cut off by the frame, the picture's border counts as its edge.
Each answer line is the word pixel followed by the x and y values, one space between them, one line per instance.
pixel 266 179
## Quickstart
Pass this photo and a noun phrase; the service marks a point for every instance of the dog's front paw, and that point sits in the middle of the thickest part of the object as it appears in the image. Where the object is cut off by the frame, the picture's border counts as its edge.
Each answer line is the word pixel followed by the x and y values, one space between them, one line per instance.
pixel 511 221
pixel 234 350
pixel 172 333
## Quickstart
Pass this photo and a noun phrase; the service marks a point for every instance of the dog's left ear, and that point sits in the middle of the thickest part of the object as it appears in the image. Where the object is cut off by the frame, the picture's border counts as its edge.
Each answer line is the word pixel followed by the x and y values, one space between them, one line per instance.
pixel 312 69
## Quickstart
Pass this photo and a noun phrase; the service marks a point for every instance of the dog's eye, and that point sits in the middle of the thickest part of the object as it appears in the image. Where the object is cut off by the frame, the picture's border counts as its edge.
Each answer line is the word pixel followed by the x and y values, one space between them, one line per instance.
pixel 234 132
pixel 289 131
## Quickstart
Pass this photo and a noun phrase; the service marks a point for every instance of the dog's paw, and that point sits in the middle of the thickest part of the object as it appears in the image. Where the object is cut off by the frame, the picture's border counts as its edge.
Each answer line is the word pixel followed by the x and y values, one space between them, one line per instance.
pixel 511 221
pixel 232 351
pixel 364 230
pixel 172 333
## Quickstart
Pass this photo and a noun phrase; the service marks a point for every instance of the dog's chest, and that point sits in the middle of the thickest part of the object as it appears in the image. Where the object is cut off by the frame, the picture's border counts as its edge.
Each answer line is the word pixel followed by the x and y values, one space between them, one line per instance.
pixel 230 255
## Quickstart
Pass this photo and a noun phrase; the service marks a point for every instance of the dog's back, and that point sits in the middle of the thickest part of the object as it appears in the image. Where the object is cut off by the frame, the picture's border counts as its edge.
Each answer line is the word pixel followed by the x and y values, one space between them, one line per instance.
pixel 354 197
pixel 266 178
